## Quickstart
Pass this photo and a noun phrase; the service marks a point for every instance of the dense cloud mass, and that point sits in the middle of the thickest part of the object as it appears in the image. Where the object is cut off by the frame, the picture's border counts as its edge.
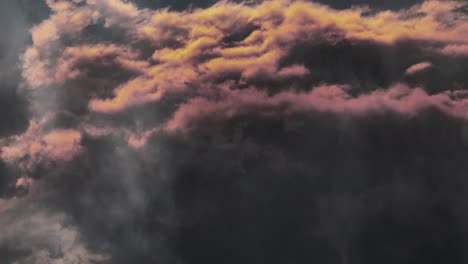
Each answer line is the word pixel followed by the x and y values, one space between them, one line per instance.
pixel 233 132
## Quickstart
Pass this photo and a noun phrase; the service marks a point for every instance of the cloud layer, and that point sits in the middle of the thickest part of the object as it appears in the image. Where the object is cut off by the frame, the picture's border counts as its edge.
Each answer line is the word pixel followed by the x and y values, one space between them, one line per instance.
pixel 263 132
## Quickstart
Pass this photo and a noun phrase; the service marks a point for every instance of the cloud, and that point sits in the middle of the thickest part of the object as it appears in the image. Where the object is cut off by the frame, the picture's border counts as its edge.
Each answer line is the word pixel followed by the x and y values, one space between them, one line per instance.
pixel 45 236
pixel 456 49
pixel 67 18
pixel 38 146
pixel 188 49
pixel 74 60
pixel 399 99
pixel 418 67
pixel 277 131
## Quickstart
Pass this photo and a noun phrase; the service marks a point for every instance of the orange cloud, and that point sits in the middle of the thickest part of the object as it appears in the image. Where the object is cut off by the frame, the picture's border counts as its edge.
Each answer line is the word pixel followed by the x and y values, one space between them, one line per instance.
pixel 38 146
pixel 281 25
pixel 190 46
pixel 73 60
pixel 24 182
pixel 191 52
pixel 147 88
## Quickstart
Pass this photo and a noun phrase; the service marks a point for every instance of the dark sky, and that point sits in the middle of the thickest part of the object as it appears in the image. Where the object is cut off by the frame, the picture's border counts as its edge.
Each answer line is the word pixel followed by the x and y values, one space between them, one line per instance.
pixel 274 132
pixel 339 4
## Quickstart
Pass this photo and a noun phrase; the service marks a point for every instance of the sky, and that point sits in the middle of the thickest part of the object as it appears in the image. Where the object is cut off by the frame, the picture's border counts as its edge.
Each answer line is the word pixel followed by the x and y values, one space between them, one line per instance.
pixel 199 132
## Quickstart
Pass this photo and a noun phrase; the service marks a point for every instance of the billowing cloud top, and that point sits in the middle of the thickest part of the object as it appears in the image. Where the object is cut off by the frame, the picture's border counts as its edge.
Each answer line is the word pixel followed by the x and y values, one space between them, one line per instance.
pixel 142 120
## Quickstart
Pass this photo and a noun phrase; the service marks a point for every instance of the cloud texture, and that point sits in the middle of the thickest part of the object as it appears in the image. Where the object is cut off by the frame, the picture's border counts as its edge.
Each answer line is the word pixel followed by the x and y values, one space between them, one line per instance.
pixel 255 132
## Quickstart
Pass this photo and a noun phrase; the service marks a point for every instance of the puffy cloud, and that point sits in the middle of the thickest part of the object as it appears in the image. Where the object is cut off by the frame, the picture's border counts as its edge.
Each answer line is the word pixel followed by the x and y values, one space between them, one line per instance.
pixel 225 40
pixel 117 12
pixel 336 99
pixel 144 89
pixel 67 18
pixel 74 60
pixel 37 146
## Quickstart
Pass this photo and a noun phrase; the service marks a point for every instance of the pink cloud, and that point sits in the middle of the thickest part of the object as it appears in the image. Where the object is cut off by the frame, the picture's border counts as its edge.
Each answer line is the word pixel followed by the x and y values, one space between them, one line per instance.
pixel 456 49
pixel 418 67
pixel 335 99
pixel 138 140
pixel 37 146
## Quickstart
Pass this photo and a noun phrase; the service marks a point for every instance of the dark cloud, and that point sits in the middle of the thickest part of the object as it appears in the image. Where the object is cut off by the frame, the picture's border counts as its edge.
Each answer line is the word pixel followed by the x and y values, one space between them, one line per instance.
pixel 175 5
pixel 307 188
pixel 12 106
pixel 339 4
pixel 368 65
pixel 9 255
pixel 16 17
pixel 328 190
pixel 7 182
pixel 393 5
pixel 270 133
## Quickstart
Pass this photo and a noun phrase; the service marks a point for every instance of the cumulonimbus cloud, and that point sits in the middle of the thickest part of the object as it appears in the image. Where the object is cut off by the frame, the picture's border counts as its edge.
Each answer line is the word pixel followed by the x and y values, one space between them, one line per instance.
pixel 222 61
pixel 127 76
pixel 219 60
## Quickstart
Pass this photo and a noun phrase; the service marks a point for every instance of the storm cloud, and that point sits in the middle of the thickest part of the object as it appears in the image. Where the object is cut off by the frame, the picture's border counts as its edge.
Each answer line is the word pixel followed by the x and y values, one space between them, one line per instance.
pixel 234 132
